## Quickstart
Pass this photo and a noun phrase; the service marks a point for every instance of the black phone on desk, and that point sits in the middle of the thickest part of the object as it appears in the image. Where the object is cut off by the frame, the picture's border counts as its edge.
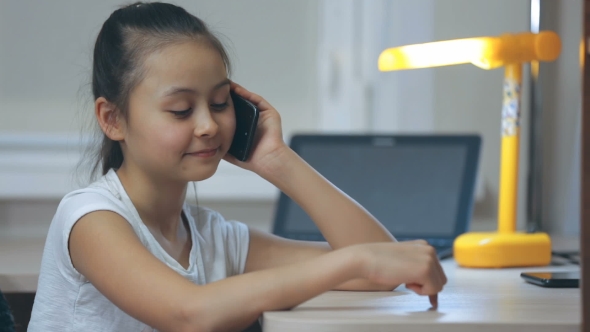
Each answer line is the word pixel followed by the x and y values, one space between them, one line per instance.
pixel 246 122
pixel 553 279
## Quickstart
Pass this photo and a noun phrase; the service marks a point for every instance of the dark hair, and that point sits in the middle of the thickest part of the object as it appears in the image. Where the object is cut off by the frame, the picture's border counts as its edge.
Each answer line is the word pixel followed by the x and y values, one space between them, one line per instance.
pixel 124 41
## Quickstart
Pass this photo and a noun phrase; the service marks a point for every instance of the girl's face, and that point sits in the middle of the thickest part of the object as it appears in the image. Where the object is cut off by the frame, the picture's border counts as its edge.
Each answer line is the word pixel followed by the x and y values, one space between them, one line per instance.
pixel 181 117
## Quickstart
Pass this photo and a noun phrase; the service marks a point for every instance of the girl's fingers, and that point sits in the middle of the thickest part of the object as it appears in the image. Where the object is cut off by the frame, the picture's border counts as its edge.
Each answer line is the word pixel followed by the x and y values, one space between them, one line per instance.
pixel 442 274
pixel 257 100
pixel 417 242
pixel 433 300
pixel 438 276
pixel 418 290
pixel 414 287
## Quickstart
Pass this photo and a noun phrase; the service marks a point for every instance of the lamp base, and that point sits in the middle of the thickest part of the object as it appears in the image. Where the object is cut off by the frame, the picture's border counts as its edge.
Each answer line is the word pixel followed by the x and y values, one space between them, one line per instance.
pixel 497 250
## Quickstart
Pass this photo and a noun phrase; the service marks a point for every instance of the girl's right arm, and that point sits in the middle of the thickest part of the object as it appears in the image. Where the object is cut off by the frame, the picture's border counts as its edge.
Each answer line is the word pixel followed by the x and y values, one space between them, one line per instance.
pixel 105 249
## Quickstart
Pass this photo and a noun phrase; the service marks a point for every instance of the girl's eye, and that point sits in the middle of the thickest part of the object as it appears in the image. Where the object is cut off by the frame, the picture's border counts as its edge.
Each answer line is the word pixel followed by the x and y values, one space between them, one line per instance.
pixel 220 107
pixel 182 114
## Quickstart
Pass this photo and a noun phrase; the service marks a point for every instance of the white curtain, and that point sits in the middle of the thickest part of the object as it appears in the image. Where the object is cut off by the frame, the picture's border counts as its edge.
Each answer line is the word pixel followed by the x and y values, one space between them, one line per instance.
pixel 353 94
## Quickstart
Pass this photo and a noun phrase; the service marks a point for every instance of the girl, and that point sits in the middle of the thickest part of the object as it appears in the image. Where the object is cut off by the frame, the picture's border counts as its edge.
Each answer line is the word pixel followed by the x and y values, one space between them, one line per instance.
pixel 128 254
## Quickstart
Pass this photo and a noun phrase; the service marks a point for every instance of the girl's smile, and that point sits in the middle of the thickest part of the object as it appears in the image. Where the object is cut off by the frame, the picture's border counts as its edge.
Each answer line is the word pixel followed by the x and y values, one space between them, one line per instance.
pixel 205 153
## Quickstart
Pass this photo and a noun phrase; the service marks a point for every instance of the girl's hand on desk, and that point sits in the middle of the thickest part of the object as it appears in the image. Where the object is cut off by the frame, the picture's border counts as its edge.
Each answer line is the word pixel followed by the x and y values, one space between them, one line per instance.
pixel 268 142
pixel 413 263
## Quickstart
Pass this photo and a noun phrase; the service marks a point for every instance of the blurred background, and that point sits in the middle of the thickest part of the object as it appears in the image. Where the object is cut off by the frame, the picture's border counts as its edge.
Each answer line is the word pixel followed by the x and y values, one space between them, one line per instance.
pixel 316 62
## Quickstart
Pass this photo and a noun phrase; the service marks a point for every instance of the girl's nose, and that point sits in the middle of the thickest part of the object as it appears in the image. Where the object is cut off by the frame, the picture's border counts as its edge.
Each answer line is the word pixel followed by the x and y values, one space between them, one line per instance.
pixel 205 124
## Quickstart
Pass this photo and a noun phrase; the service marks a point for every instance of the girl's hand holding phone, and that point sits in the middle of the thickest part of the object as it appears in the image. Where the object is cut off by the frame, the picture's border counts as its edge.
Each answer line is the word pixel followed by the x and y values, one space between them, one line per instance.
pixel 268 142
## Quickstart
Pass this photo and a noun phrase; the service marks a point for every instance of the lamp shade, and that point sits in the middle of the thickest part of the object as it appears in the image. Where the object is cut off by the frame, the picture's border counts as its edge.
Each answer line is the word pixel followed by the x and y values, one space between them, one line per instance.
pixel 484 52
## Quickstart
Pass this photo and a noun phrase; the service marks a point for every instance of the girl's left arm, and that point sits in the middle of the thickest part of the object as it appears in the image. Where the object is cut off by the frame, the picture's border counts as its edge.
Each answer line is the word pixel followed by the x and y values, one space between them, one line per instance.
pixel 342 221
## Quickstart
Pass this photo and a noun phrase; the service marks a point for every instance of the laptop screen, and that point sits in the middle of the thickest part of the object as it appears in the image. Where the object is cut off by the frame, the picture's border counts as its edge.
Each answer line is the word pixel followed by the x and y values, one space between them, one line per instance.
pixel 416 186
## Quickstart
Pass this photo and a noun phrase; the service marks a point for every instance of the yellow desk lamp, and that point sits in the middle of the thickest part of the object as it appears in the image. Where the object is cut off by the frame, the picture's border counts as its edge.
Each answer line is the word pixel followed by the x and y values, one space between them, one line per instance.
pixel 506 247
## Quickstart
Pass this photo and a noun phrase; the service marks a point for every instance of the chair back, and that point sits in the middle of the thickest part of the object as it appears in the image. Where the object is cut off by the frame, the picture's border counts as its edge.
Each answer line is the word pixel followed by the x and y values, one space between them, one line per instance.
pixel 6 319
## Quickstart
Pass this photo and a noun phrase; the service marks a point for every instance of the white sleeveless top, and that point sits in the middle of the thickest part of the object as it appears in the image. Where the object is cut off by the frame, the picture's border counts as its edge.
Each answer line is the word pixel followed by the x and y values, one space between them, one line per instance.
pixel 67 301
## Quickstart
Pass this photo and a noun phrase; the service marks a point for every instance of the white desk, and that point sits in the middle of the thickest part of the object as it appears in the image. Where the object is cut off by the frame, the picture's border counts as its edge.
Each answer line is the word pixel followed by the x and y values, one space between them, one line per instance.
pixel 473 300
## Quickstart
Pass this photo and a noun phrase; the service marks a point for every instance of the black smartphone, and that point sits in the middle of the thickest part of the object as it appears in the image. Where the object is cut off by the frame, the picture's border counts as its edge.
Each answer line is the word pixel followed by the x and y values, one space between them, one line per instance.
pixel 553 279
pixel 246 122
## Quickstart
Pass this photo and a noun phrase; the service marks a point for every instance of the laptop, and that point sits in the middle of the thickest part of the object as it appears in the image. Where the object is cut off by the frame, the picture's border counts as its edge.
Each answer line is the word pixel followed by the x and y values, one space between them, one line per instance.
pixel 417 186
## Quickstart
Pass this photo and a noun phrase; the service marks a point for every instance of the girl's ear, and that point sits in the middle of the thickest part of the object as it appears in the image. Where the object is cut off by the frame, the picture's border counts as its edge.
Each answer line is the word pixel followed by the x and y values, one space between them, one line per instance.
pixel 109 119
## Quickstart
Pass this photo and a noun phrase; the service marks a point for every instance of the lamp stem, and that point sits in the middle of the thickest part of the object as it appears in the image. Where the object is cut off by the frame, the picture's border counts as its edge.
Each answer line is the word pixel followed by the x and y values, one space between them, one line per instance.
pixel 510 149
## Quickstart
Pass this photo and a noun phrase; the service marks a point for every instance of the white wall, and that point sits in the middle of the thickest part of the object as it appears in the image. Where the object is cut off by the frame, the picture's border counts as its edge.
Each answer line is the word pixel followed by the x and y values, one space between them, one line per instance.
pixel 562 96
pixel 469 99
pixel 46 47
